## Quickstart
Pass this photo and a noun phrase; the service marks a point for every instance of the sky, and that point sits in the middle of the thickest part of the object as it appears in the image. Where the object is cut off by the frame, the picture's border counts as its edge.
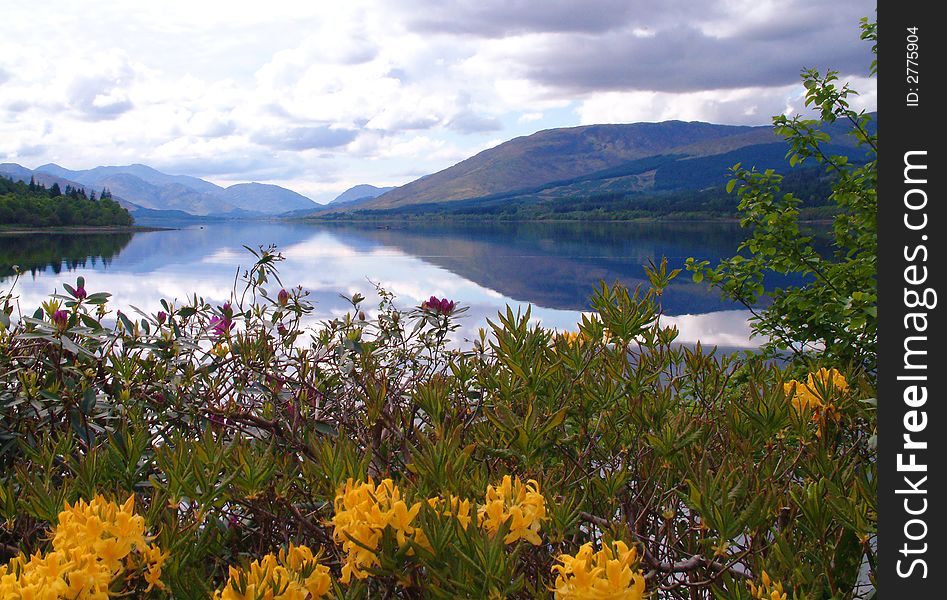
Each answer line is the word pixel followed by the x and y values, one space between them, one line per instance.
pixel 319 96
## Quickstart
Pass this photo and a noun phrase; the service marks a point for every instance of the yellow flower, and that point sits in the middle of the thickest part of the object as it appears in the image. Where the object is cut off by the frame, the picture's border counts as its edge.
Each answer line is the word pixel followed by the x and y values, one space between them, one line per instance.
pixel 98 549
pixel 520 504
pixel 362 512
pixel 767 590
pixel 452 507
pixel 294 574
pixel 816 394
pixel 608 573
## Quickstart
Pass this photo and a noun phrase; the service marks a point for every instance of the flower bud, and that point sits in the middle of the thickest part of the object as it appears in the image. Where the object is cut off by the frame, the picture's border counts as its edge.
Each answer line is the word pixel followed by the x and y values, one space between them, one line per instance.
pixel 61 319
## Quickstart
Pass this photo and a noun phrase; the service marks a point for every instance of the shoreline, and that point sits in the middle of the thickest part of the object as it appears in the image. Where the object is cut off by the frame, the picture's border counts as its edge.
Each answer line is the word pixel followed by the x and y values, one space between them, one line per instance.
pixel 83 229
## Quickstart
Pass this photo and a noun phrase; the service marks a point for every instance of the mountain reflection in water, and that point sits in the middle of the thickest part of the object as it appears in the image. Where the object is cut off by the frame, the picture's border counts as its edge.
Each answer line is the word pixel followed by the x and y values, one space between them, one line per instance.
pixel 552 266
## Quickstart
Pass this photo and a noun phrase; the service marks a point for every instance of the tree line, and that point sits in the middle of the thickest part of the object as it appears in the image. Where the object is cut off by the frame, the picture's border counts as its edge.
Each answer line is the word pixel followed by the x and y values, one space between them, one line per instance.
pixel 34 205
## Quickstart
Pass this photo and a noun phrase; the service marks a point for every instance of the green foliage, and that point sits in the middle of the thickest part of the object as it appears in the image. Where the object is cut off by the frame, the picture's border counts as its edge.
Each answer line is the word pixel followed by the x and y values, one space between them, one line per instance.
pixel 835 314
pixel 32 205
pixel 235 440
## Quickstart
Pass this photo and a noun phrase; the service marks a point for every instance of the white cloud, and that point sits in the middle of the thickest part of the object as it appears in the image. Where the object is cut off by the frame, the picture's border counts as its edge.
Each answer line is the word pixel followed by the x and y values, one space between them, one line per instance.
pixel 321 95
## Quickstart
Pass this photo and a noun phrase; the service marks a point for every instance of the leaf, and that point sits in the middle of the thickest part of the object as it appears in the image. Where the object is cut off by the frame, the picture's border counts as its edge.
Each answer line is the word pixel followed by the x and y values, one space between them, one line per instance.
pixel 71 346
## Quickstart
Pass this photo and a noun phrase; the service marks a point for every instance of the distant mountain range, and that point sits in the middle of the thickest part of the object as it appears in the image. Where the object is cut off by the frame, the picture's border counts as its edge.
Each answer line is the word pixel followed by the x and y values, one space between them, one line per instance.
pixel 555 168
pixel 581 162
pixel 149 192
pixel 359 194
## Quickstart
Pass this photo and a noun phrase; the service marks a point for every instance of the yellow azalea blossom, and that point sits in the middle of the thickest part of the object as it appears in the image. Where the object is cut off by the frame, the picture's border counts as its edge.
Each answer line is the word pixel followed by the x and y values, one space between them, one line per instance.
pixel 520 504
pixel 767 590
pixel 452 507
pixel 98 550
pixel 569 337
pixel 608 573
pixel 816 393
pixel 294 574
pixel 362 513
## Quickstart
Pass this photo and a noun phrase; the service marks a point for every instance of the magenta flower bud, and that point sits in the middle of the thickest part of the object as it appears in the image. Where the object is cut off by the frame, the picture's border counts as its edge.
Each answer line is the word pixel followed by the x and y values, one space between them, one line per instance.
pixel 61 319
pixel 223 323
pixel 282 298
pixel 81 293
pixel 162 317
pixel 441 306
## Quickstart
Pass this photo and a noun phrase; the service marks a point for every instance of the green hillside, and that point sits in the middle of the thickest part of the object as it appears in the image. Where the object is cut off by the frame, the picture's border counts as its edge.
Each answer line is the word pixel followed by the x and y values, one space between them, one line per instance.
pixel 601 171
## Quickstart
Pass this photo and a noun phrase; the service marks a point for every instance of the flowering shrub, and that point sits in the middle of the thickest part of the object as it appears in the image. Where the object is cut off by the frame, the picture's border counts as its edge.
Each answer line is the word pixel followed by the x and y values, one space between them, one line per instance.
pixel 362 513
pixel 294 574
pixel 817 392
pixel 441 306
pixel 767 590
pixel 519 505
pixel 377 445
pixel 99 550
pixel 608 573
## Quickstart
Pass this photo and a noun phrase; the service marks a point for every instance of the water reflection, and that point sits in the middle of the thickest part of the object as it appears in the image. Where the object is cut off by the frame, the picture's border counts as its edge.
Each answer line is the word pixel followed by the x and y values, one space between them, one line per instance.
pixel 55 252
pixel 553 266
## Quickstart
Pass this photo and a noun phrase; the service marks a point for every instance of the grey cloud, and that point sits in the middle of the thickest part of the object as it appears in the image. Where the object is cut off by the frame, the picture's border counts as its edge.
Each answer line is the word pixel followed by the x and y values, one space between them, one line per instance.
pixel 685 59
pixel 17 106
pixel 256 167
pixel 27 150
pixel 470 122
pixel 413 123
pixel 498 18
pixel 218 128
pixel 592 45
pixel 99 97
pixel 305 138
pixel 4 76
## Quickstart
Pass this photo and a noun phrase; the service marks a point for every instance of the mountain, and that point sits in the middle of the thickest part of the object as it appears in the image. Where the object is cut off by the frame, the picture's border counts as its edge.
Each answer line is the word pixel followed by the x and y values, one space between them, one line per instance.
pixel 143 172
pixel 551 155
pixel 170 196
pixel 21 173
pixel 359 193
pixel 579 162
pixel 15 172
pixel 265 198
pixel 141 188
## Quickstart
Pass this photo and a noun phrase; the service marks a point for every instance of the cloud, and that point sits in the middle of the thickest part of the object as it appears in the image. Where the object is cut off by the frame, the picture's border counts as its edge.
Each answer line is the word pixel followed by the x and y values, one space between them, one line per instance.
pixel 17 106
pixel 304 138
pixel 678 60
pixel 499 18
pixel 318 95
pixel 102 93
pixel 744 106
pixel 469 122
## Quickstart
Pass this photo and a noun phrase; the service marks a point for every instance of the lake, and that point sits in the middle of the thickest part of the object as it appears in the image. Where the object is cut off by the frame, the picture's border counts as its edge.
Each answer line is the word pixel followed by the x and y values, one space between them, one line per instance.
pixel 486 266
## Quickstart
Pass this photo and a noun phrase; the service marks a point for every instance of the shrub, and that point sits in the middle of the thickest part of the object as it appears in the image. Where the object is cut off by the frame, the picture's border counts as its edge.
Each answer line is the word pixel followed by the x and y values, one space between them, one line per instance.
pixel 495 460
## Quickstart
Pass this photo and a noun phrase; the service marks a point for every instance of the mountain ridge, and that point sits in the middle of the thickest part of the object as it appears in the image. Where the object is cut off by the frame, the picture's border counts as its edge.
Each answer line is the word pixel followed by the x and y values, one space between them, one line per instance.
pixel 141 187
pixel 574 162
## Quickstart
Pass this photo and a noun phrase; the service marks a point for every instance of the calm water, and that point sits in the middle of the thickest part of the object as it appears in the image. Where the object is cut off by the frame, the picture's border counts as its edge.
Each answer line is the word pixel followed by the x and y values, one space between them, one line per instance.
pixel 552 266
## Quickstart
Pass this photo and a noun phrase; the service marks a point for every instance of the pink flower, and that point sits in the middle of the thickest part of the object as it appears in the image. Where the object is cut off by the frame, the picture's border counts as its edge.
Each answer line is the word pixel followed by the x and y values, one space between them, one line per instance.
pixel 162 317
pixel 81 293
pixel 282 298
pixel 223 323
pixel 61 319
pixel 441 306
